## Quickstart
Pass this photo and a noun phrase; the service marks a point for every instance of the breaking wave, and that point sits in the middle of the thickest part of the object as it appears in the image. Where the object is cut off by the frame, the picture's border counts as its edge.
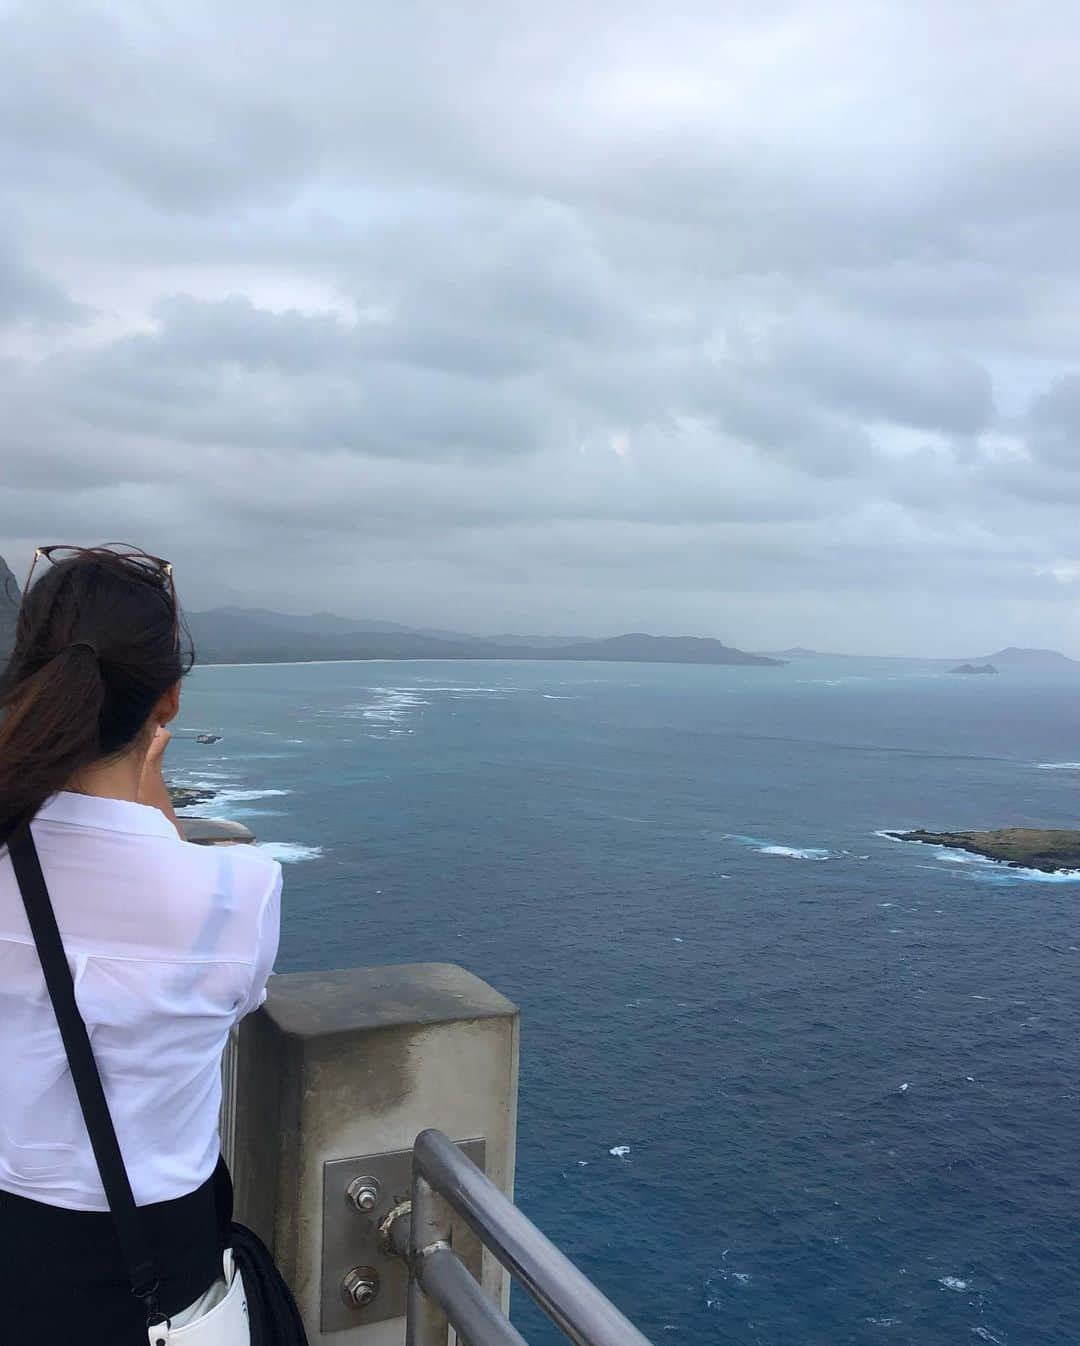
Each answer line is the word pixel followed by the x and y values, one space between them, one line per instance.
pixel 290 852
pixel 817 853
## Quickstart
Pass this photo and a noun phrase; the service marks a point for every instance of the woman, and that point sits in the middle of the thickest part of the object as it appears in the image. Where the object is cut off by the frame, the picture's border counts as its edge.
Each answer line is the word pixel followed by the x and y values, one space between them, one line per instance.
pixel 169 944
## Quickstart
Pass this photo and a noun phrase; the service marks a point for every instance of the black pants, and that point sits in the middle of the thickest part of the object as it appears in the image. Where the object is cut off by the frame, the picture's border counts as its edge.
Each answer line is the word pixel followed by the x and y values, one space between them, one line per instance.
pixel 62 1282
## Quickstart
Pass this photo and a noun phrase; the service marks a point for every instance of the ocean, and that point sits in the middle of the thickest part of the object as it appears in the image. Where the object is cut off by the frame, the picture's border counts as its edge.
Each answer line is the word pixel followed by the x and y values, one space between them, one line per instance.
pixel 784 1081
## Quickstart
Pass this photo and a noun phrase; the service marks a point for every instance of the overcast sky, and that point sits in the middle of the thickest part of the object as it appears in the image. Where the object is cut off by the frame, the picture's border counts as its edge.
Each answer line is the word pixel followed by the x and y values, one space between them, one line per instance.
pixel 757 320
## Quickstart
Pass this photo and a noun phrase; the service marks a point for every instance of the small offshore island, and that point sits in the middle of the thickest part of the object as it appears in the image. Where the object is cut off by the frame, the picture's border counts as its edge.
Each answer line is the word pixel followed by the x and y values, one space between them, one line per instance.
pixel 1051 850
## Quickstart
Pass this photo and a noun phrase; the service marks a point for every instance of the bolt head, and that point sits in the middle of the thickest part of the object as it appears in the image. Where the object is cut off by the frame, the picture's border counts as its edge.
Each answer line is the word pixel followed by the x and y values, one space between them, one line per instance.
pixel 364 1193
pixel 360 1287
pixel 362 1294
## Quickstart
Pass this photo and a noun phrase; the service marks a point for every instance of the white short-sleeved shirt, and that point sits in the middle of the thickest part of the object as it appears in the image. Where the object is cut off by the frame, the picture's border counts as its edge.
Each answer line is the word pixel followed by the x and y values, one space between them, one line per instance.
pixel 169 945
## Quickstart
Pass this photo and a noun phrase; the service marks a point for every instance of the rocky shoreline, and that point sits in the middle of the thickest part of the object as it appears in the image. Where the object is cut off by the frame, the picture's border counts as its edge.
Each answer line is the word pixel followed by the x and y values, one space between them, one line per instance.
pixel 185 797
pixel 1051 850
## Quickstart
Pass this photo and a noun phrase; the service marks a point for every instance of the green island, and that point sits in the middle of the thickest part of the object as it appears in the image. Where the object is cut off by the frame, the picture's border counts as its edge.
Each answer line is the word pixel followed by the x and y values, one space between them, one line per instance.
pixel 1048 849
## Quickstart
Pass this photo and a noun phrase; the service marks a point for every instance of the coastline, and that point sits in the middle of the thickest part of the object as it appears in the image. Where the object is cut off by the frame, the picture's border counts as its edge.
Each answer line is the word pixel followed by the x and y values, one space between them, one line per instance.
pixel 470 659
pixel 1048 850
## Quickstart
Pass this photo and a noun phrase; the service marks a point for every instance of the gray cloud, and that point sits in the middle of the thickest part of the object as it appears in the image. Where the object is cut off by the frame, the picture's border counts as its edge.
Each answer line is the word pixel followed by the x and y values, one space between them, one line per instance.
pixel 29 295
pixel 1054 421
pixel 756 320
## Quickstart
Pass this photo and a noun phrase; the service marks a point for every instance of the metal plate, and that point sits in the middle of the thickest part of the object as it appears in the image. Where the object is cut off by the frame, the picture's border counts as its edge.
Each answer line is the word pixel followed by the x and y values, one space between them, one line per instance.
pixel 350 1237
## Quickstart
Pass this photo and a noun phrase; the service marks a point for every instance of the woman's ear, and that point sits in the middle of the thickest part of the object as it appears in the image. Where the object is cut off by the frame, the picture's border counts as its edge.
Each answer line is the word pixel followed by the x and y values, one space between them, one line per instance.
pixel 168 706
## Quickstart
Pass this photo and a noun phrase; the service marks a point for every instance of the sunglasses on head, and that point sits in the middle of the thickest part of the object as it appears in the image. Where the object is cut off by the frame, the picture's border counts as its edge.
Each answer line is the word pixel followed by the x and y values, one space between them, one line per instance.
pixel 153 568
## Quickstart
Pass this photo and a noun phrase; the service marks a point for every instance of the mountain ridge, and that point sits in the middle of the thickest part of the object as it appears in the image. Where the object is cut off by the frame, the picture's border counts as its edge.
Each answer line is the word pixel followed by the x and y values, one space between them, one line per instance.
pixel 248 635
pixel 255 635
pixel 1021 657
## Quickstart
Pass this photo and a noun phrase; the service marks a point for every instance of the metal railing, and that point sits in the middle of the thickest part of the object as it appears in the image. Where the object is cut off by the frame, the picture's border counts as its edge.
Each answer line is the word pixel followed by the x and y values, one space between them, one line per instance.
pixel 441 1290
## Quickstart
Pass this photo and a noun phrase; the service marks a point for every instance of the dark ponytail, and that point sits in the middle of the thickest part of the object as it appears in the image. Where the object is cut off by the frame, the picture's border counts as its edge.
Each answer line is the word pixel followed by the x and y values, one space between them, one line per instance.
pixel 97 643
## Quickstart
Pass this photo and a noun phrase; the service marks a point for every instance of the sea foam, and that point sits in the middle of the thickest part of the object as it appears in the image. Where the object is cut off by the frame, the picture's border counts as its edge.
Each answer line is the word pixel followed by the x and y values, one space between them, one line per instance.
pixel 1006 876
pixel 290 852
pixel 225 802
pixel 394 704
pixel 797 852
pixel 787 852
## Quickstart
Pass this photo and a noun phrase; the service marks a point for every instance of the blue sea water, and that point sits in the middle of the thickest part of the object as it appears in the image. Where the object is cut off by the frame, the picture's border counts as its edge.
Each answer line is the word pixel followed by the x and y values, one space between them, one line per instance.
pixel 783 1080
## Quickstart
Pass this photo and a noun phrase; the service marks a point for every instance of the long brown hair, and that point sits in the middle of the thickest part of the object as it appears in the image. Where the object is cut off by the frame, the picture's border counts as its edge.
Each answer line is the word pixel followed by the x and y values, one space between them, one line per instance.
pixel 98 640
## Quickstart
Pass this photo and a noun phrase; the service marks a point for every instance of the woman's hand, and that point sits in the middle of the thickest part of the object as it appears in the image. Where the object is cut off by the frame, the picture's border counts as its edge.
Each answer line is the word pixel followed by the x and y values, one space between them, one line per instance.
pixel 156 752
pixel 152 787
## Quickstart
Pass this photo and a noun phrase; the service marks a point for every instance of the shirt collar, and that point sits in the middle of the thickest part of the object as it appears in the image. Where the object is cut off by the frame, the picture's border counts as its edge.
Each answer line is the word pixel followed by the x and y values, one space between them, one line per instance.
pixel 114 815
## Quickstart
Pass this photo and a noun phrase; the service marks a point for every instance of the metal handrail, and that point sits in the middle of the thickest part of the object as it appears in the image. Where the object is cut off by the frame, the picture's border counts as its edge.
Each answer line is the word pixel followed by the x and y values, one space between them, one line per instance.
pixel 442 1291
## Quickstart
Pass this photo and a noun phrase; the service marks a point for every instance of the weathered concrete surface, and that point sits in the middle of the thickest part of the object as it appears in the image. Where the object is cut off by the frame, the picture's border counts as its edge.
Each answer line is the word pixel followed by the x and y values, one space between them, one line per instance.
pixel 358 1062
pixel 215 831
pixel 314 1004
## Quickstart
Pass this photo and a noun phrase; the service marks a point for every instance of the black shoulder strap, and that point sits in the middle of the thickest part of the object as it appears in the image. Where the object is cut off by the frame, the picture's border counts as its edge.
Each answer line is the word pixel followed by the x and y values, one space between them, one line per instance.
pixel 138 1258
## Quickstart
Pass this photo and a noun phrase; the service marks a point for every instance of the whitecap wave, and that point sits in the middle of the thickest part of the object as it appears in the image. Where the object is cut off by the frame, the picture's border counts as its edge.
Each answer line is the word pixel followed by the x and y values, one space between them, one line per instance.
pixel 210 782
pixel 798 852
pixel 232 803
pixel 229 795
pixel 816 853
pixel 620 1151
pixel 394 704
pixel 953 1283
pixel 723 1274
pixel 385 705
pixel 1006 876
pixel 290 852
pixel 469 691
pixel 206 778
pixel 1057 766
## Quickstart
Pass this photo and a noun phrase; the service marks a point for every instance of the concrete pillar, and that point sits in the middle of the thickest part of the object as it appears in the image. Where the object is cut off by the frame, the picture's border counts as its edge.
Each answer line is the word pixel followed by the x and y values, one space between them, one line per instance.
pixel 349 1064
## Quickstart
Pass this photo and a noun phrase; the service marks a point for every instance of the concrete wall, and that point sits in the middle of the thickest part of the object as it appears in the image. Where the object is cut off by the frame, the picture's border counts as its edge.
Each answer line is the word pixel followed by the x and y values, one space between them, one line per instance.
pixel 355 1063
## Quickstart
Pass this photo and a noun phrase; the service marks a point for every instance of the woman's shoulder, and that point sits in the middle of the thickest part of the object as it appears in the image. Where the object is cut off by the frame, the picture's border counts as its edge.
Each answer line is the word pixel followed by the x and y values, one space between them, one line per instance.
pixel 226 901
pixel 217 887
pixel 243 868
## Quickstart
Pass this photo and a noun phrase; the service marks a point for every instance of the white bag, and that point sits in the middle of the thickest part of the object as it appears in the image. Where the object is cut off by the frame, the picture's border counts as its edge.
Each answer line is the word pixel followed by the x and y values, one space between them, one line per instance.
pixel 226 1324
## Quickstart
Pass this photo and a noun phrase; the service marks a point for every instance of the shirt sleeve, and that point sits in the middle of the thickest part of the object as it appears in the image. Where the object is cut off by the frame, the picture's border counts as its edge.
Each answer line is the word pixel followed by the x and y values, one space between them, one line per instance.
pixel 268 932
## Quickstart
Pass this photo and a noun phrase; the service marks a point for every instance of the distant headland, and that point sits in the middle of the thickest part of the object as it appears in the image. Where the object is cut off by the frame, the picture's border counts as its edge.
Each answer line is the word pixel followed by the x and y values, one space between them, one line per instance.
pixel 1013 657
pixel 254 635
